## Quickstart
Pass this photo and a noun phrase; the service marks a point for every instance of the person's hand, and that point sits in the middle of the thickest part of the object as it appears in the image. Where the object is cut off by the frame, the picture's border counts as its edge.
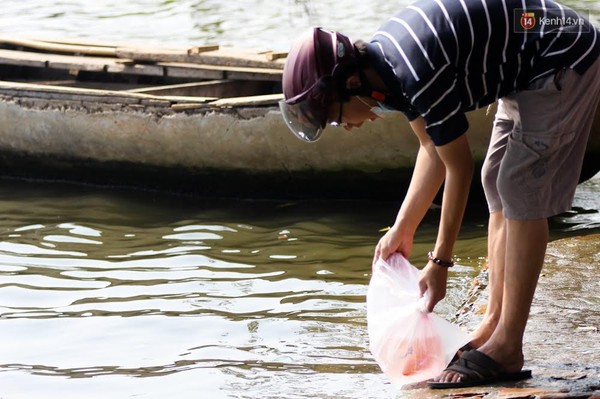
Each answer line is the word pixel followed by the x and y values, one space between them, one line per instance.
pixel 433 282
pixel 394 240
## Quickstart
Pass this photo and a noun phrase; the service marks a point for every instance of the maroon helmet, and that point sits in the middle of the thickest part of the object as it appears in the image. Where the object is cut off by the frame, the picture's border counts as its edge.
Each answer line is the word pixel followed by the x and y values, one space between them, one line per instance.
pixel 313 78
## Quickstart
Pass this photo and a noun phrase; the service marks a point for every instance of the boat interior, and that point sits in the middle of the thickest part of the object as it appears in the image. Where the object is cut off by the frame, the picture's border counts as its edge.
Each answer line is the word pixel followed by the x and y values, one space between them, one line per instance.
pixel 205 73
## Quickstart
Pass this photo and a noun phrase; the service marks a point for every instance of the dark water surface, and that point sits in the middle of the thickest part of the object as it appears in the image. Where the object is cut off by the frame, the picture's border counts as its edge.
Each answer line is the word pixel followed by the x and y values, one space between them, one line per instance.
pixel 107 293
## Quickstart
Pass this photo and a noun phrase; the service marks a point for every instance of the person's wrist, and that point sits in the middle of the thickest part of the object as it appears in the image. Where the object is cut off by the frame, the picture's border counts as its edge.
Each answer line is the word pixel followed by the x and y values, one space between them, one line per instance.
pixel 445 263
pixel 406 222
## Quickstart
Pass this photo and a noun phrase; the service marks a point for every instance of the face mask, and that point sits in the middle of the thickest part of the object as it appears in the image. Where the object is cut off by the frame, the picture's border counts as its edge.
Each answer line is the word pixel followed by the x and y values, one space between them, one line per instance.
pixel 381 110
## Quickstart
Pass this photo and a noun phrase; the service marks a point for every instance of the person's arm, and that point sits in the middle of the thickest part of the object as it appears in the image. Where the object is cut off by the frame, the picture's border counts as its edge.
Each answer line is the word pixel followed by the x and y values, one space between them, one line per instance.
pixel 458 161
pixel 428 175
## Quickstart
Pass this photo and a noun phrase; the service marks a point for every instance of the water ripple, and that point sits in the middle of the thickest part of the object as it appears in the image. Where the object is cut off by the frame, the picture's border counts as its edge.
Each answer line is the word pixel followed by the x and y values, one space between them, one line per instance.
pixel 237 301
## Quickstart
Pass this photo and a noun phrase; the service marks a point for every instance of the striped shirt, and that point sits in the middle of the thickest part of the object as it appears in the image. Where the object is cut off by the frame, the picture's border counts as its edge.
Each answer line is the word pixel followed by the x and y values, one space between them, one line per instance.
pixel 448 57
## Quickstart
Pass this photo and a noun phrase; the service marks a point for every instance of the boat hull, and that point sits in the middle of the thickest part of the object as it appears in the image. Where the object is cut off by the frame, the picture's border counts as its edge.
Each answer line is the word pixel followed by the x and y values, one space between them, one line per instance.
pixel 206 149
pixel 201 119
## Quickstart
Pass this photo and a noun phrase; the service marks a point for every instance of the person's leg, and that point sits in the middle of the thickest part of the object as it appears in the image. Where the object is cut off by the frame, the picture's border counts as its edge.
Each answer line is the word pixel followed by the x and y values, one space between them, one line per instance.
pixel 537 178
pixel 526 242
pixel 496 260
pixel 552 120
pixel 502 127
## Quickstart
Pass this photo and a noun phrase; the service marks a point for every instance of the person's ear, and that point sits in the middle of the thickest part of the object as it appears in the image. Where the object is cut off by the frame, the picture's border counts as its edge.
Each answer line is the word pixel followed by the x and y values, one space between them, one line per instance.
pixel 353 82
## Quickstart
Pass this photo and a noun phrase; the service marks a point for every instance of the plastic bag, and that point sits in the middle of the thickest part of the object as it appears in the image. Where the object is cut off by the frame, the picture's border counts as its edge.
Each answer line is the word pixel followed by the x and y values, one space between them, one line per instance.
pixel 409 344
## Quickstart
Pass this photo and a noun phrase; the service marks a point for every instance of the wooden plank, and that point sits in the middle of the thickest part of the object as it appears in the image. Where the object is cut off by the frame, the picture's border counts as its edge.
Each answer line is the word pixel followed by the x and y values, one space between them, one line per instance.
pixel 222 63
pixel 79 63
pixel 97 64
pixel 155 102
pixel 111 65
pixel 202 49
pixel 276 55
pixel 57 47
pixel 256 74
pixel 189 99
pixel 266 99
pixel 165 89
pixel 218 72
pixel 203 54
pixel 9 57
pixel 99 96
pixel 76 41
pixel 135 69
pixel 102 64
pixel 55 95
pixel 71 62
pixel 187 107
pixel 222 56
pixel 59 92
pixel 214 89
pixel 198 72
pixel 124 61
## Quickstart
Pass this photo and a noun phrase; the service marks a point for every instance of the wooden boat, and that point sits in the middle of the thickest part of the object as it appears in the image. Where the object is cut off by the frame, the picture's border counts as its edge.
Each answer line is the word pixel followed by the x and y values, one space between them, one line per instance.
pixel 203 119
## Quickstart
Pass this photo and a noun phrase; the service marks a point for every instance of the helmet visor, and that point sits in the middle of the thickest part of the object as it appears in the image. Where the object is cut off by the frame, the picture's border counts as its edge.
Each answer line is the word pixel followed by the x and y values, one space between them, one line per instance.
pixel 306 123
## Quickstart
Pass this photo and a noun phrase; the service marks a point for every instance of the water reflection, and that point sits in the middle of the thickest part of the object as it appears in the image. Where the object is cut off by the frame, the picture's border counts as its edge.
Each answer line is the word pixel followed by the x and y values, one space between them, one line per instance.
pixel 240 299
pixel 96 285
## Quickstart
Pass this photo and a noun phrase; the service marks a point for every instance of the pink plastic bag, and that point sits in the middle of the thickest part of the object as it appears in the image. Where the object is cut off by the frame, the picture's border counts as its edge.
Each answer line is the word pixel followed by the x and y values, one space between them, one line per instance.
pixel 409 344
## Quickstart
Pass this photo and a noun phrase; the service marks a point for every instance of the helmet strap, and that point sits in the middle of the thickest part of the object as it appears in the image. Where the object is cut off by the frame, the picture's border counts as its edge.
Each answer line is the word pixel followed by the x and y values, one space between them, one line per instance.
pixel 364 90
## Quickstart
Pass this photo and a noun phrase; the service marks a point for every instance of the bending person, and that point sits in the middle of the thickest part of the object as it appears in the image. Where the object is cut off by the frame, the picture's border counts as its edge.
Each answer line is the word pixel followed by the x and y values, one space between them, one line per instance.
pixel 434 61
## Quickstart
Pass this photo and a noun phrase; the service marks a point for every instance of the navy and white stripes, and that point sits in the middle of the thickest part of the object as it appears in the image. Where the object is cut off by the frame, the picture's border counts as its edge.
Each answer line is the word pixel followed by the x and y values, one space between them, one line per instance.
pixel 452 56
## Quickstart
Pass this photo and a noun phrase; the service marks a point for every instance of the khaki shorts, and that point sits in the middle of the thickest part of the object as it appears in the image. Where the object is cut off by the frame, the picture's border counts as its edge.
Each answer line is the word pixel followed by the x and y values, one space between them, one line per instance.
pixel 538 143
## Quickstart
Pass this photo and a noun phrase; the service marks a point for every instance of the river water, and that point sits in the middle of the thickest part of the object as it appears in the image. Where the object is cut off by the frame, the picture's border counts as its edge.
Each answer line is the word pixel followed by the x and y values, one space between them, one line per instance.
pixel 129 294
pixel 119 294
pixel 262 24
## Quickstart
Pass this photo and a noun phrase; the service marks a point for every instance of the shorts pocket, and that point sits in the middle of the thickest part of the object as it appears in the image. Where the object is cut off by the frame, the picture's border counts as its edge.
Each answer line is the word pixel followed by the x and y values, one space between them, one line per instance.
pixel 544 144
pixel 530 160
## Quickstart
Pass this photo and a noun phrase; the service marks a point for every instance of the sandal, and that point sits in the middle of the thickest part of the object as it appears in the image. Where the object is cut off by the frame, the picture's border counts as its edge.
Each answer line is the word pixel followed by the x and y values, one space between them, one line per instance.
pixel 476 368
pixel 465 348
